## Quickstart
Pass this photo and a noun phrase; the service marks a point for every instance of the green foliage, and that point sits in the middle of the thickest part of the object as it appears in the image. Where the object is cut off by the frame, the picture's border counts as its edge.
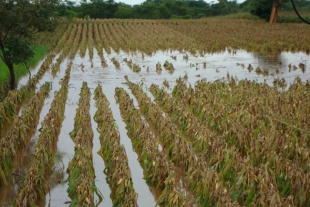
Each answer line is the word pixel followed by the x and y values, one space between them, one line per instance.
pixel 284 185
pixel 261 8
pixel 150 9
pixel 19 21
pixel 20 69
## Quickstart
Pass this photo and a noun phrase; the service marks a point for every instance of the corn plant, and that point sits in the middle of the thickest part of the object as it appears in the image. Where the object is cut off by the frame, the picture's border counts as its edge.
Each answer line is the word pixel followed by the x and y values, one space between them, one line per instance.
pixel 35 184
pixel 20 133
pixel 159 172
pixel 237 126
pixel 198 176
pixel 81 171
pixel 113 154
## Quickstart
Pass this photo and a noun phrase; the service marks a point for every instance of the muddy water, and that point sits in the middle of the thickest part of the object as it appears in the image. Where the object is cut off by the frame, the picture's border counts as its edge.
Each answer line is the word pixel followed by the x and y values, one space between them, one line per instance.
pixel 218 65
pixel 82 71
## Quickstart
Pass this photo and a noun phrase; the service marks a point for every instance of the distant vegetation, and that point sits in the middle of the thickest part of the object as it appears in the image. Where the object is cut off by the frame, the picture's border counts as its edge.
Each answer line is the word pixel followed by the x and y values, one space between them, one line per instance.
pixel 172 9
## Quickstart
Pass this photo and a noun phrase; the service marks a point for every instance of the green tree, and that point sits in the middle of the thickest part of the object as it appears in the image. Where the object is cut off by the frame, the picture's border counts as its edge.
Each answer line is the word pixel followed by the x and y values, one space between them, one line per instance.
pixel 124 11
pixel 20 19
pixel 261 8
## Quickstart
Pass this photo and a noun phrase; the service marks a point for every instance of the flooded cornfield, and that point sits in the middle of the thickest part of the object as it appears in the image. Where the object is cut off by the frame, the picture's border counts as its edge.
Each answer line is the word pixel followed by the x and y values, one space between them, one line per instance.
pixel 112 117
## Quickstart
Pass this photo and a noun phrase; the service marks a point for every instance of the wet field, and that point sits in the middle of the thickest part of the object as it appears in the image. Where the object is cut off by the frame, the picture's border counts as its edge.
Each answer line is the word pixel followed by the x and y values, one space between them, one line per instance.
pixel 192 67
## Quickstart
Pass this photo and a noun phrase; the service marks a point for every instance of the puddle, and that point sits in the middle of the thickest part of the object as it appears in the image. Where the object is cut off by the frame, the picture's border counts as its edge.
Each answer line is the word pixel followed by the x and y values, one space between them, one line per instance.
pixel 217 66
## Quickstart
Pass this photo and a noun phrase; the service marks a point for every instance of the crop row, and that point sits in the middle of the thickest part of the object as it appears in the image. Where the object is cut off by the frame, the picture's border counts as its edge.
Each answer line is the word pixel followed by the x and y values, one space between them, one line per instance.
pixel 99 43
pixel 81 180
pixel 10 106
pixel 114 155
pixel 20 133
pixel 159 172
pixel 216 34
pixel 203 181
pixel 244 115
pixel 228 161
pixel 208 35
pixel 35 184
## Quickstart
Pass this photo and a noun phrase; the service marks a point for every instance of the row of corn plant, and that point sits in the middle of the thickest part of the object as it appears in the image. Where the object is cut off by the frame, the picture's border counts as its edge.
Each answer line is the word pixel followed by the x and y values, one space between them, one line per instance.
pixel 10 106
pixel 99 44
pixel 105 40
pixel 116 63
pixel 64 38
pixel 135 68
pixel 235 118
pixel 81 186
pixel 140 35
pixel 76 41
pixel 127 32
pixel 169 67
pixel 253 113
pixel 114 154
pixel 159 172
pixel 34 185
pixel 202 180
pixel 67 50
pixel 119 41
pixel 84 38
pixel 90 41
pixel 122 35
pixel 42 70
pixel 149 36
pixel 158 68
pixel 276 120
pixel 52 39
pixel 215 150
pixel 216 34
pixel 111 43
pixel 20 133
pixel 208 35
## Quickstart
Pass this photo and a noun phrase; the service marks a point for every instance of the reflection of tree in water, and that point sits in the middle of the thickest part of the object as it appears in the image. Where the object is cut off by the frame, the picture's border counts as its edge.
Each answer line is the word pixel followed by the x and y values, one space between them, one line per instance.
pixel 272 62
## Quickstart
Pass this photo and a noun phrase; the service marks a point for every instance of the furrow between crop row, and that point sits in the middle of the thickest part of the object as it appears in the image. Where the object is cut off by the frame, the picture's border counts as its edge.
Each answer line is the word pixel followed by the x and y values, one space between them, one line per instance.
pixel 114 154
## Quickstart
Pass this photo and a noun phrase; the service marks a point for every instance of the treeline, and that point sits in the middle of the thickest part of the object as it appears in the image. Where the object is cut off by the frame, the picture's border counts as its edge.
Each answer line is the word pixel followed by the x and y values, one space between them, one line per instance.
pixel 170 9
pixel 150 9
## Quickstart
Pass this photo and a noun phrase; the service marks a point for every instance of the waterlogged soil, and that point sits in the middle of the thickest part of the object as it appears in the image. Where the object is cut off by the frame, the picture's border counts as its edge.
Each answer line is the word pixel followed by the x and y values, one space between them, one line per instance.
pixel 195 66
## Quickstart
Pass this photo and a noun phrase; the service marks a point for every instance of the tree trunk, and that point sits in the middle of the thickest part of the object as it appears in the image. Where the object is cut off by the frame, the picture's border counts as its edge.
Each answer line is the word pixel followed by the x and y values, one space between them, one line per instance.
pixel 12 76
